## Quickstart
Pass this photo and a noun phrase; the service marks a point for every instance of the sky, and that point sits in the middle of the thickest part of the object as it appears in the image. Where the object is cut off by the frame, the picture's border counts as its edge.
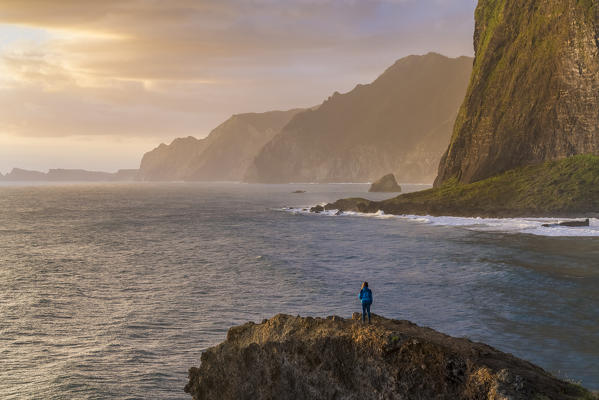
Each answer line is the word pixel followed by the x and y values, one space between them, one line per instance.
pixel 95 84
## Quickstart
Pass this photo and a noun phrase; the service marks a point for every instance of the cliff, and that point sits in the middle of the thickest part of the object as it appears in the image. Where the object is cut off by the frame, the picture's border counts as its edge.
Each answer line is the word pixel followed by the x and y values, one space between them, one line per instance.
pixel 224 155
pixel 534 90
pixel 170 162
pixel 399 123
pixel 313 358
pixel 565 188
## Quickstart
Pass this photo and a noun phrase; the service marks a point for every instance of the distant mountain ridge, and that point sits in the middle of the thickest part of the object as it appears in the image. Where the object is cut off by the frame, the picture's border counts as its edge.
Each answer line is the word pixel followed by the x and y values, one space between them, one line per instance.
pixel 400 123
pixel 69 175
pixel 224 155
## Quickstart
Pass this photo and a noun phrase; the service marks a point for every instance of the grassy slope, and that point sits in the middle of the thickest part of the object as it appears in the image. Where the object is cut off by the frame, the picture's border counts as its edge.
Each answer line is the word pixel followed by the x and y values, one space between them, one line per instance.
pixel 567 188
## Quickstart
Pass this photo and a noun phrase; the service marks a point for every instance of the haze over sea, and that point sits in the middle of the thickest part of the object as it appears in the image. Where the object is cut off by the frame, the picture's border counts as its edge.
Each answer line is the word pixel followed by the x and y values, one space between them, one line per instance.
pixel 113 290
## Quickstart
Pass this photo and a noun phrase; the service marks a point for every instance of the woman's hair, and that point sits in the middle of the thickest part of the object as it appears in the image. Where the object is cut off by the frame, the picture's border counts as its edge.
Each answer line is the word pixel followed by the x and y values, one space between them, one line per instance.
pixel 365 284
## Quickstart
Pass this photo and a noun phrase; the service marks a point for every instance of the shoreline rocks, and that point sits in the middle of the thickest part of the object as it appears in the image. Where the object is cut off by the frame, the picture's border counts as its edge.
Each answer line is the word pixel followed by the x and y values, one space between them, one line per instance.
pixel 586 222
pixel 567 188
pixel 289 357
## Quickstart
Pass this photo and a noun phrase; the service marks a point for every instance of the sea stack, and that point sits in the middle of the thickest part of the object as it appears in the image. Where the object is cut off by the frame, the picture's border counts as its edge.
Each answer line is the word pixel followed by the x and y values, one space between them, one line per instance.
pixel 290 357
pixel 386 184
pixel 534 91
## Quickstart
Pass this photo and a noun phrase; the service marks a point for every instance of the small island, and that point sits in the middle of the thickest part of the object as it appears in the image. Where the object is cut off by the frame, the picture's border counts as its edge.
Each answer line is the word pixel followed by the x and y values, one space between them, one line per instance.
pixel 387 184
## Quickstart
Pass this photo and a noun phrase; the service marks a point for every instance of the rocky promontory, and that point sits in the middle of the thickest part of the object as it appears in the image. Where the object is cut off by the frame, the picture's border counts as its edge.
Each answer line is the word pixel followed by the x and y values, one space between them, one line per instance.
pixel 289 357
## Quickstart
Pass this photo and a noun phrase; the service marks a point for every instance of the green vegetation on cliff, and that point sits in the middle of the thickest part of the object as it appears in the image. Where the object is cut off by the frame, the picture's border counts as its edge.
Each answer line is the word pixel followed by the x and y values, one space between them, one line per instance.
pixel 567 188
pixel 534 89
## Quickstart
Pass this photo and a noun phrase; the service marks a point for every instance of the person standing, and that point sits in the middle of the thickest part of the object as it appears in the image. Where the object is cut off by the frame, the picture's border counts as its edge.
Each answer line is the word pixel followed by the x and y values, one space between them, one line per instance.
pixel 366 299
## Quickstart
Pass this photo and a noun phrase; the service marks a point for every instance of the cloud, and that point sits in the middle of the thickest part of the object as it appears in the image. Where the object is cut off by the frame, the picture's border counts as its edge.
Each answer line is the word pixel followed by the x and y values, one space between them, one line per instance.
pixel 154 68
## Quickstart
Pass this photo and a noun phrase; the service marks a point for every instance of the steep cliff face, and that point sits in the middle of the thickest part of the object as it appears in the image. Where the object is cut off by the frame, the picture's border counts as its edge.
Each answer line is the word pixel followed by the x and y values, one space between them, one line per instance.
pixel 534 90
pixel 313 358
pixel 400 123
pixel 170 162
pixel 232 146
pixel 224 155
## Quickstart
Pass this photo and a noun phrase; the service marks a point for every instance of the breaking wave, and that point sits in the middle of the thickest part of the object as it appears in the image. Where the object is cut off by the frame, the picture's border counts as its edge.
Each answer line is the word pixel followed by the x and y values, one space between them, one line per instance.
pixel 533 226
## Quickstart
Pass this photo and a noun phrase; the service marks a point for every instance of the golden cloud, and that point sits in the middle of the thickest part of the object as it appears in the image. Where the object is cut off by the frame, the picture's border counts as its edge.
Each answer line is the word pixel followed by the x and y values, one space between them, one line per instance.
pixel 179 67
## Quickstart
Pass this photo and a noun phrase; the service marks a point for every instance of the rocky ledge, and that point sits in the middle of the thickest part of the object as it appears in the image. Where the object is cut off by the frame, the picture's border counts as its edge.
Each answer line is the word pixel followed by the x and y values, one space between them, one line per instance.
pixel 289 357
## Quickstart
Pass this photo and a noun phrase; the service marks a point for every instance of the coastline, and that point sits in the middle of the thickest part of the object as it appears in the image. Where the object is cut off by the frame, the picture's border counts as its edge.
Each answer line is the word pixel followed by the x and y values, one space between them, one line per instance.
pixel 567 188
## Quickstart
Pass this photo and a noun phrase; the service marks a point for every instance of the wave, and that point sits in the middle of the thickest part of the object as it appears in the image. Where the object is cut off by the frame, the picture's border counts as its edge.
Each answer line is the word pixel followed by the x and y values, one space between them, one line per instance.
pixel 533 226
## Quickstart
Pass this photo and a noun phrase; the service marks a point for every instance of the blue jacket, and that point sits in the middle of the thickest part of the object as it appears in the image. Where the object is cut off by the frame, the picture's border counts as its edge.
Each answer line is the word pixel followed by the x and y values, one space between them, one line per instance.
pixel 366 296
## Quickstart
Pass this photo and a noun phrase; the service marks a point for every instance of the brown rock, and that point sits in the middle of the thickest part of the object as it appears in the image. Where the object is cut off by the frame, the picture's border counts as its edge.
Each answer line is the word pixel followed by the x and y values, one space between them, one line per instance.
pixel 290 357
pixel 386 184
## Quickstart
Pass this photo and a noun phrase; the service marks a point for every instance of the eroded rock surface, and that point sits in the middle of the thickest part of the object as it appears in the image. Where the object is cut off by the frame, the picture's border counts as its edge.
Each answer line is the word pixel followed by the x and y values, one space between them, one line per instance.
pixel 290 357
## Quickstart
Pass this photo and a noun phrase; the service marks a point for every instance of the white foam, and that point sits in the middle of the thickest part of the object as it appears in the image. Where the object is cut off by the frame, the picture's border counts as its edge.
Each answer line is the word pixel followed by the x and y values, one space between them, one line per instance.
pixel 533 226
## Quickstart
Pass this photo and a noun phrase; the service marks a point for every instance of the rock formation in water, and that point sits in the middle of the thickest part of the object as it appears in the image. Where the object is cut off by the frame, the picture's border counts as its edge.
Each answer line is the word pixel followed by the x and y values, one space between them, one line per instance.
pixel 70 175
pixel 386 184
pixel 566 188
pixel 224 155
pixel 534 91
pixel 401 123
pixel 313 358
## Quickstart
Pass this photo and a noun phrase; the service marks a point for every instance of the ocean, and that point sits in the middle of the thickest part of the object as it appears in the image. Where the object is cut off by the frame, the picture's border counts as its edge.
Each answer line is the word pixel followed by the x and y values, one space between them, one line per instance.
pixel 112 291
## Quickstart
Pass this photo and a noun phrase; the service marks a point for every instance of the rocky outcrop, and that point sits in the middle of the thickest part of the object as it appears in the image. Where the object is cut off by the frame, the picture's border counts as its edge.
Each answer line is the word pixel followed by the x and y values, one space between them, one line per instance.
pixel 386 184
pixel 534 91
pixel 334 358
pixel 224 155
pixel 567 188
pixel 399 123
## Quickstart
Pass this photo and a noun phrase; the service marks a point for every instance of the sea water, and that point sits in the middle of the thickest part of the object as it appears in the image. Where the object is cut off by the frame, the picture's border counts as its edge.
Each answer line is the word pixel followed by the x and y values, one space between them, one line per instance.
pixel 114 290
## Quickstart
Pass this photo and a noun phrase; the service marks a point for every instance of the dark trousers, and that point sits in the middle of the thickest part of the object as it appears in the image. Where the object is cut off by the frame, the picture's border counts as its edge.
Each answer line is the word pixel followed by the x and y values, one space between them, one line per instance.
pixel 365 309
